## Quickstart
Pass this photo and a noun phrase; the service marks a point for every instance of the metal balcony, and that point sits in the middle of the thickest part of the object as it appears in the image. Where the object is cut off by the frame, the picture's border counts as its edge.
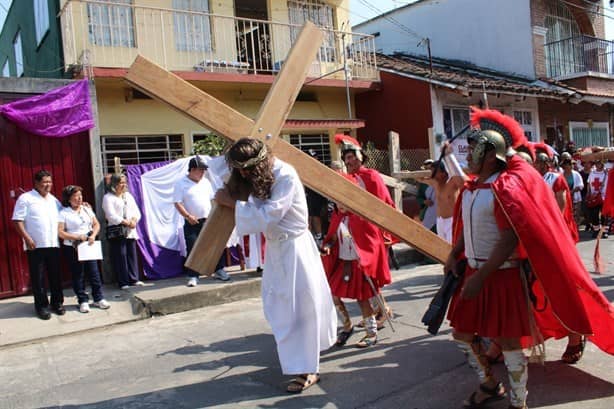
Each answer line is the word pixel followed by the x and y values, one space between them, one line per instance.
pixel 581 54
pixel 104 34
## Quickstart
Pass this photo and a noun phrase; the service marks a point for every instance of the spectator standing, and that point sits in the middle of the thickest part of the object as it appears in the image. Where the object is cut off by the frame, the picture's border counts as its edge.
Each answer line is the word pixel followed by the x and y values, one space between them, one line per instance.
pixel 192 197
pixel 78 224
pixel 36 216
pixel 120 209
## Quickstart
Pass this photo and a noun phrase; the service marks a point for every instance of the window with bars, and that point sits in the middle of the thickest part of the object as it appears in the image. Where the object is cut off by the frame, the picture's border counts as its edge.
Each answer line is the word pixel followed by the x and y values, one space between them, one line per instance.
pixel 319 13
pixel 135 150
pixel 41 19
pixel 192 30
pixel 589 134
pixel 319 143
pixel 563 54
pixel 111 25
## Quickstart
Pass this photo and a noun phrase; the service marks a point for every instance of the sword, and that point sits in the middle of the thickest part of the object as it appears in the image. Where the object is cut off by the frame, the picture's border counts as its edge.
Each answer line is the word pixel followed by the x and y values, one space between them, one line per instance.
pixel 379 298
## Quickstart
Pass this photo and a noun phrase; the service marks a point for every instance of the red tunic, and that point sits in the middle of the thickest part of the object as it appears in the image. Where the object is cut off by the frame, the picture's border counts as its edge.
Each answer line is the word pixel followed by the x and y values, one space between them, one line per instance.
pixel 369 240
pixel 608 202
pixel 561 184
pixel 568 298
pixel 502 296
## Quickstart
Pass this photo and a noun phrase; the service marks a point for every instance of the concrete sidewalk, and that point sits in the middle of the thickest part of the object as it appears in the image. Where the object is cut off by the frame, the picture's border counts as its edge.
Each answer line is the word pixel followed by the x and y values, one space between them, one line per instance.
pixel 19 323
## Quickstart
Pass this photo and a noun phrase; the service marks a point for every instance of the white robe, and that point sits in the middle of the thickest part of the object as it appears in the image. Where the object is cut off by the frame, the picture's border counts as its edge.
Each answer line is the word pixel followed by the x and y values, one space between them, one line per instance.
pixel 295 293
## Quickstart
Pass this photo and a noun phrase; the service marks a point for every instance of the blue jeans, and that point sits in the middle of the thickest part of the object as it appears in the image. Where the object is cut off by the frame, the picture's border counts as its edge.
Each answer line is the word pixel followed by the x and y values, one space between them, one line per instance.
pixel 191 232
pixel 78 269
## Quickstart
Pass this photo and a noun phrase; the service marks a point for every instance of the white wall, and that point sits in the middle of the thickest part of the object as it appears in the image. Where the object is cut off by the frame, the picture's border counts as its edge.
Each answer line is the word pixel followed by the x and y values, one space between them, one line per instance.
pixel 495 34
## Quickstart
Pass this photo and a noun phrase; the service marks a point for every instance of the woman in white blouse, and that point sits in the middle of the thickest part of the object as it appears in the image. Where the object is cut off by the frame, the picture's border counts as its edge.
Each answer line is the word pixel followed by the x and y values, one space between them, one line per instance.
pixel 78 224
pixel 120 208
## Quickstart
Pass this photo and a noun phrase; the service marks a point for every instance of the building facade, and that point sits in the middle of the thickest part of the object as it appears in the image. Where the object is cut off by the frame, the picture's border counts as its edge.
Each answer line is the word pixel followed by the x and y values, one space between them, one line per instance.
pixel 552 44
pixel 230 49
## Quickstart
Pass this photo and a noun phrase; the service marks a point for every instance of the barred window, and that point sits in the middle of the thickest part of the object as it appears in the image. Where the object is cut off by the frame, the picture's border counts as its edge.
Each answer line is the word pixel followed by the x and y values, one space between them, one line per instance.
pixel 111 25
pixel 135 150
pixel 319 13
pixel 319 143
pixel 589 134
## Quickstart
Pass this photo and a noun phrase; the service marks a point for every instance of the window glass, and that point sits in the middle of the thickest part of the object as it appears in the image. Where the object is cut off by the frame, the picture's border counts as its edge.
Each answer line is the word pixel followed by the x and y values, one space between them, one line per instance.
pixel 41 19
pixel 192 29
pixel 5 69
pixel 18 54
pixel 111 25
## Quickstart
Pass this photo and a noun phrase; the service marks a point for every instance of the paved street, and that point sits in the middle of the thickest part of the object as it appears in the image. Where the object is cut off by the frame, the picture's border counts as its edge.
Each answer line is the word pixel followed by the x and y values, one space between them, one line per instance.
pixel 224 357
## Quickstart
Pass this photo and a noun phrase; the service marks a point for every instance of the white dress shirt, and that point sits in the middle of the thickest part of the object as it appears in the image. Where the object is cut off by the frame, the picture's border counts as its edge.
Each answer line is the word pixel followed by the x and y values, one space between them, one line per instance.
pixel 77 221
pixel 117 208
pixel 40 216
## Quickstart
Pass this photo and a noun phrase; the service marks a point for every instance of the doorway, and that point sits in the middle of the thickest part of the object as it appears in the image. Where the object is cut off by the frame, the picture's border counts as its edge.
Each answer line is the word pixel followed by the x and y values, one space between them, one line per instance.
pixel 254 35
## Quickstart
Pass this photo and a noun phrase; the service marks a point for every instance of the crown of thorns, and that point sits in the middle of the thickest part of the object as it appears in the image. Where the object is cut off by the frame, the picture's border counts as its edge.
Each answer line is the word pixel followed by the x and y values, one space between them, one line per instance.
pixel 262 154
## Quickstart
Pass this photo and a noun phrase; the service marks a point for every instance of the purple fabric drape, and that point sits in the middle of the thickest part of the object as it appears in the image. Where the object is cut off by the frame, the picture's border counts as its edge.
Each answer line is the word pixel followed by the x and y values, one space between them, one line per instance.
pixel 58 113
pixel 158 262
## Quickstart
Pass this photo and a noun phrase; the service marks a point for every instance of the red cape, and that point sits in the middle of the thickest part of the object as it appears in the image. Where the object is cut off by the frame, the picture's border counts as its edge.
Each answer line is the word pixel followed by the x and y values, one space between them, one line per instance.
pixel 608 202
pixel 568 298
pixel 369 242
pixel 568 212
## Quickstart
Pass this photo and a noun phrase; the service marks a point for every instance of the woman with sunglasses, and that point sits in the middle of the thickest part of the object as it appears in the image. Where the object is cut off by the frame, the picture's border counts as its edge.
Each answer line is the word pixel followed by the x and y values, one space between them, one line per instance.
pixel 78 224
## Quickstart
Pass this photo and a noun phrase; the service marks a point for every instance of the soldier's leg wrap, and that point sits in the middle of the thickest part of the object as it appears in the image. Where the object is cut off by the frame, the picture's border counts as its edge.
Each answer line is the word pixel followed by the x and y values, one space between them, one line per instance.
pixel 477 359
pixel 517 372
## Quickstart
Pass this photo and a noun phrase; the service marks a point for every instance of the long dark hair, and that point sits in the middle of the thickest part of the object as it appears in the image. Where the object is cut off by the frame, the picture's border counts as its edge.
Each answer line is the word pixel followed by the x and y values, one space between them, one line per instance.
pixel 260 179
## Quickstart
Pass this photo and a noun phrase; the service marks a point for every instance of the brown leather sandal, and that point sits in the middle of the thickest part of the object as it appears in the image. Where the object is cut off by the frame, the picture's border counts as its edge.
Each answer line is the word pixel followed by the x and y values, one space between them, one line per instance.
pixel 303 382
pixel 573 353
pixel 494 394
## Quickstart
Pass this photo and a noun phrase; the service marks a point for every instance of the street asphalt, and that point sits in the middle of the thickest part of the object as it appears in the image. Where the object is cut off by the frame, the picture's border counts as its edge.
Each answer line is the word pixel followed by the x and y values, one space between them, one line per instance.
pixel 222 354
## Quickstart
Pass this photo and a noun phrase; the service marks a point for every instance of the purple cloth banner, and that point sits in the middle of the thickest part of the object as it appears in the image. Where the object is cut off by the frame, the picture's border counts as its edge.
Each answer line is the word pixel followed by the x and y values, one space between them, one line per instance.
pixel 158 262
pixel 58 113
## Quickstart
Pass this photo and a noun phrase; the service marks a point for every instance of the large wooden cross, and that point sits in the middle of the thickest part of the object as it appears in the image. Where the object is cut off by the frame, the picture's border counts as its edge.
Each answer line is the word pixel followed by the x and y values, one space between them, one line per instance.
pixel 225 121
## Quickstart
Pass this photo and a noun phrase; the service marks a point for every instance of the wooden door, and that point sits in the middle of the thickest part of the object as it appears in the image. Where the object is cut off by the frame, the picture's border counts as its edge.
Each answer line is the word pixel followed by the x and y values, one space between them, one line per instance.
pixel 21 155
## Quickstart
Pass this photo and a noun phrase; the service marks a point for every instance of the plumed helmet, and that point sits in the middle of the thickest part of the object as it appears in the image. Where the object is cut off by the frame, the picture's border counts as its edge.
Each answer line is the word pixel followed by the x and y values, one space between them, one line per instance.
pixel 485 139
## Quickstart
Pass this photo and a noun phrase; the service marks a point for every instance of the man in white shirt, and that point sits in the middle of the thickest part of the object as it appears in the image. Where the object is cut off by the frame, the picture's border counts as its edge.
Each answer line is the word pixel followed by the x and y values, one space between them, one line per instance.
pixel 36 216
pixel 192 198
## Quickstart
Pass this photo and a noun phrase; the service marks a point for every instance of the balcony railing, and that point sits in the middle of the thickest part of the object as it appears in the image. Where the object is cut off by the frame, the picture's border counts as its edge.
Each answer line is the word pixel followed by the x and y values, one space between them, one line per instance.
pixel 103 34
pixel 579 54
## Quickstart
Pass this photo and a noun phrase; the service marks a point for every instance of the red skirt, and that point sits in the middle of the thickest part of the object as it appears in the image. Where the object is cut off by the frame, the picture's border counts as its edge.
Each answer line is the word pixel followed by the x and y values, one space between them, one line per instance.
pixel 500 310
pixel 350 283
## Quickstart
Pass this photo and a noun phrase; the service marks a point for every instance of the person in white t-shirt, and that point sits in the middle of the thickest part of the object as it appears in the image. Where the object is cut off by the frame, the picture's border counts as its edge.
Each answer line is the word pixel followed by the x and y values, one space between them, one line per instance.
pixel 36 219
pixel 192 197
pixel 78 224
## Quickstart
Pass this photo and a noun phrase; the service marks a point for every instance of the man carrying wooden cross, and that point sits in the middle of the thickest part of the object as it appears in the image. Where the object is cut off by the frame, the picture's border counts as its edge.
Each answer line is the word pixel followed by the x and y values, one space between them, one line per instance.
pixel 295 294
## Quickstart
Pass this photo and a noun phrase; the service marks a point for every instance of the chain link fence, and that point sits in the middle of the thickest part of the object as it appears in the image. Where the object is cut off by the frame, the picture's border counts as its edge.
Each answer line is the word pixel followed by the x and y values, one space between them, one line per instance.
pixel 411 159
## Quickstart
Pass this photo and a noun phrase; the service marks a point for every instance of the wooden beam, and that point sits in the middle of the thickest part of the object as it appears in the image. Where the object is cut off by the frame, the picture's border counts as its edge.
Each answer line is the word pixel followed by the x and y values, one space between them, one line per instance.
pixel 603 155
pixel 412 174
pixel 397 184
pixel 329 183
pixel 227 122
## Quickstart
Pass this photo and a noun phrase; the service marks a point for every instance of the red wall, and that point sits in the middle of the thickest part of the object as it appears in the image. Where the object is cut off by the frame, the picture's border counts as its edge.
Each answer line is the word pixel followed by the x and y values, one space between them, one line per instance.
pixel 402 105
pixel 21 155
